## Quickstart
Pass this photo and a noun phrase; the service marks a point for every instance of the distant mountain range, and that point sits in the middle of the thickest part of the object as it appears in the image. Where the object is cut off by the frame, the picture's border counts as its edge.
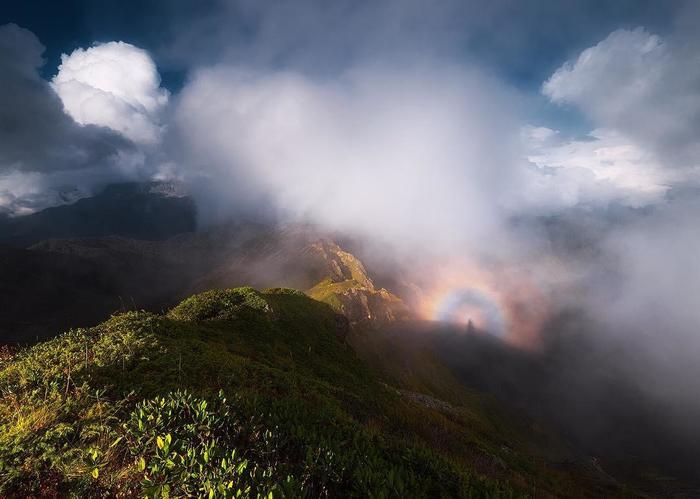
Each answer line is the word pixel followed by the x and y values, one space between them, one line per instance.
pixel 153 211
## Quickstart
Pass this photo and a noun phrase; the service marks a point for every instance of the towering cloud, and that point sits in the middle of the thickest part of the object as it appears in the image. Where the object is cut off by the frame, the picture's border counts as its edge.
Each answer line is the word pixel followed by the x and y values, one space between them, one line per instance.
pixel 97 121
pixel 115 85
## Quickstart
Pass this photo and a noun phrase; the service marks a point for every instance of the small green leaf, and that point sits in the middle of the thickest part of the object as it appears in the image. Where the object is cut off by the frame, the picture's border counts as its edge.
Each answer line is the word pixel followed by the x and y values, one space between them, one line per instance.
pixel 159 442
pixel 142 464
pixel 95 473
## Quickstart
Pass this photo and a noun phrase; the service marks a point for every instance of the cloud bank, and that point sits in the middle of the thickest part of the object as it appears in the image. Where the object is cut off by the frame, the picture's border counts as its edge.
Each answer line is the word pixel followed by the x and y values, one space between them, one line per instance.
pixel 638 278
pixel 359 152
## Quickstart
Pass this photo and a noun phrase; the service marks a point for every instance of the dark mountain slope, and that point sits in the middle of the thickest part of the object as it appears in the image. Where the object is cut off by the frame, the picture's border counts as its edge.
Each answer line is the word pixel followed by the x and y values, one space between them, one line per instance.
pixel 42 292
pixel 154 275
pixel 570 386
pixel 62 283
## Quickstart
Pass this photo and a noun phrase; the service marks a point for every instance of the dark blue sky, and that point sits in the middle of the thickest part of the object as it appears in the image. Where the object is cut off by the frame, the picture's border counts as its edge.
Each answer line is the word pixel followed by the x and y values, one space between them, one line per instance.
pixel 522 42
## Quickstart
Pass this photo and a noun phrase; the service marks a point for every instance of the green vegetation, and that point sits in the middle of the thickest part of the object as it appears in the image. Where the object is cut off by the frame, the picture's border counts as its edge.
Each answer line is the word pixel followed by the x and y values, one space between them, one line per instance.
pixel 365 308
pixel 237 393
pixel 331 292
pixel 219 305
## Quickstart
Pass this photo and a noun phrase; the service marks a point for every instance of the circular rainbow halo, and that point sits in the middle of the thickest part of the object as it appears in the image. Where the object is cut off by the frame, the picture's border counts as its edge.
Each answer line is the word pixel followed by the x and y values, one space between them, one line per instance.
pixel 471 307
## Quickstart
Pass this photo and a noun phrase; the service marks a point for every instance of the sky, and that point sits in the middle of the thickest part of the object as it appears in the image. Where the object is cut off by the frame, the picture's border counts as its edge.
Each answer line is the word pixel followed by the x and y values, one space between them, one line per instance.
pixel 523 49
pixel 554 146
pixel 521 43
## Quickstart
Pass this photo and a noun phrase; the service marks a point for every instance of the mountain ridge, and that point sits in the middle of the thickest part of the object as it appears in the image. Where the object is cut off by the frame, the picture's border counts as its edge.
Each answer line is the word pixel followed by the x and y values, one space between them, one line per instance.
pixel 281 406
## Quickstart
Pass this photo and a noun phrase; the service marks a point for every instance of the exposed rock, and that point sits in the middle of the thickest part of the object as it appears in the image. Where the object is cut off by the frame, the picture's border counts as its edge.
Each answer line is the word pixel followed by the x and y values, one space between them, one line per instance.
pixel 341 266
pixel 428 401
pixel 351 292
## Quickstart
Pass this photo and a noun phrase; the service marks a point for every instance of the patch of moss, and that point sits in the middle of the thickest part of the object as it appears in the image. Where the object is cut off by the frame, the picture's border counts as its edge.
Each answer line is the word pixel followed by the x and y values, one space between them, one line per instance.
pixel 283 291
pixel 219 304
pixel 329 292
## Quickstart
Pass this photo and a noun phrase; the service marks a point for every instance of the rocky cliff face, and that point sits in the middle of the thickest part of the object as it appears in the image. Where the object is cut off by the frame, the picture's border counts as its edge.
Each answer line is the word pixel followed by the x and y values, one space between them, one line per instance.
pixel 351 292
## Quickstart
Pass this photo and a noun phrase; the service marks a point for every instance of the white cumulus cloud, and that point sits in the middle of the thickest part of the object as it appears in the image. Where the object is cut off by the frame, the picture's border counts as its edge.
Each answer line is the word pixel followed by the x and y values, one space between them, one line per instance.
pixel 641 86
pixel 115 85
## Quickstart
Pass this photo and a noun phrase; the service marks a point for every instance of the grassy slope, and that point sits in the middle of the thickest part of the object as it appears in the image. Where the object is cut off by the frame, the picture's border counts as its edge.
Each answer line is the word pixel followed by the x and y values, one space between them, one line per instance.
pixel 242 393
